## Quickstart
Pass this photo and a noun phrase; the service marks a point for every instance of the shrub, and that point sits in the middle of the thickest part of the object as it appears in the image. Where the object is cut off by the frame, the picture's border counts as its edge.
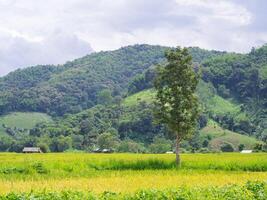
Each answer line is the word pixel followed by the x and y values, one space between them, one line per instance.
pixel 14 170
pixel 39 168
pixel 205 143
pixel 258 147
pixel 107 141
pixel 241 147
pixel 44 147
pixel 137 165
pixel 160 145
pixel 227 147
pixel 131 146
pixel 204 150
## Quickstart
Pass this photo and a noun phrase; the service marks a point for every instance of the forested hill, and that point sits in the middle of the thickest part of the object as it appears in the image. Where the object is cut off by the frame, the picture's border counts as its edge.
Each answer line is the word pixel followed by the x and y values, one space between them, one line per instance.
pixel 76 86
pixel 242 78
pixel 105 100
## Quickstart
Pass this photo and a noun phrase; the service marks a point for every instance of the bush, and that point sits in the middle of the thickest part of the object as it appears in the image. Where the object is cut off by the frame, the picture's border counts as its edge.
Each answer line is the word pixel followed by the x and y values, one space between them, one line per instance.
pixel 160 145
pixel 258 189
pixel 136 165
pixel 131 146
pixel 107 141
pixel 241 147
pixel 183 150
pixel 258 147
pixel 227 147
pixel 14 170
pixel 204 150
pixel 205 143
pixel 44 147
pixel 40 168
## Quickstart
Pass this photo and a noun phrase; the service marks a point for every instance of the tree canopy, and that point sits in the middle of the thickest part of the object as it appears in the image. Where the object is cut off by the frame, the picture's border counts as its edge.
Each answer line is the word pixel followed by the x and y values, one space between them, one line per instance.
pixel 176 102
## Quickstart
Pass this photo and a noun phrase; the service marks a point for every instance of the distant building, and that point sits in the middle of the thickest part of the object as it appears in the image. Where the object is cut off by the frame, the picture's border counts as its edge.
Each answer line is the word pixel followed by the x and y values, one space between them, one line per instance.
pixel 32 150
pixel 107 151
pixel 169 152
pixel 98 150
pixel 246 151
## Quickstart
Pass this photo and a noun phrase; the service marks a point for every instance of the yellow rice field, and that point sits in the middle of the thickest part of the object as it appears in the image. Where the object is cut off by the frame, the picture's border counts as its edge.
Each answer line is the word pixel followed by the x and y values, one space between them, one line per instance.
pixel 132 182
pixel 121 173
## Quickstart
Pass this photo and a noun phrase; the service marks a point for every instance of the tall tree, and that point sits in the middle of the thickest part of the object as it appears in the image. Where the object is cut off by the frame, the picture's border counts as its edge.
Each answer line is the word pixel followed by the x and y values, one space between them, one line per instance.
pixel 104 97
pixel 176 104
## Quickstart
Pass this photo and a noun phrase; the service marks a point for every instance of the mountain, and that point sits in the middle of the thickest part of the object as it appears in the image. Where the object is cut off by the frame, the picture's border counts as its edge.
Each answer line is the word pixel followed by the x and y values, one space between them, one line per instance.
pixel 73 87
pixel 105 100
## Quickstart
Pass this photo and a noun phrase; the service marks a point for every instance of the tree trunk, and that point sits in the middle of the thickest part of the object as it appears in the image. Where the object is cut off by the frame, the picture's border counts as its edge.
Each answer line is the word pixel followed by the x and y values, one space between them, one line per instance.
pixel 177 151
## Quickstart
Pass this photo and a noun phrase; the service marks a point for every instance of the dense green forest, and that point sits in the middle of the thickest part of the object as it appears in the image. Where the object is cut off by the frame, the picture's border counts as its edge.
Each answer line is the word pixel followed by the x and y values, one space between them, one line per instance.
pixel 105 100
pixel 75 86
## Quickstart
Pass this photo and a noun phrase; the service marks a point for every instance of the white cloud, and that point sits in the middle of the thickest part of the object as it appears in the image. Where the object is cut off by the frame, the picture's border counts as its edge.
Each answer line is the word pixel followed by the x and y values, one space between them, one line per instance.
pixel 220 9
pixel 20 51
pixel 14 34
pixel 53 31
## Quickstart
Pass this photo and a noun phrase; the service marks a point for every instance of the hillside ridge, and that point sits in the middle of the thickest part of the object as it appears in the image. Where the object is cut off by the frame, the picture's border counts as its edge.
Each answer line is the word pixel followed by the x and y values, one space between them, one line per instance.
pixel 108 95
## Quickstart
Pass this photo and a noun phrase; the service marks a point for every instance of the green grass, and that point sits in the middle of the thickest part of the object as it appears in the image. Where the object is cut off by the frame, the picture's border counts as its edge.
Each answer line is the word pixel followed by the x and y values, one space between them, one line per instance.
pixel 221 106
pixel 143 96
pixel 25 120
pixel 219 136
pixel 83 164
pixel 36 176
pixel 213 102
pixel 2 132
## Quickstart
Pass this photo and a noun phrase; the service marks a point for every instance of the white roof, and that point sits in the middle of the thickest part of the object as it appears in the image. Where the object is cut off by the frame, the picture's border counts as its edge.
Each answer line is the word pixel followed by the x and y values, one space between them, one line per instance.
pixel 246 151
pixel 31 149
pixel 169 152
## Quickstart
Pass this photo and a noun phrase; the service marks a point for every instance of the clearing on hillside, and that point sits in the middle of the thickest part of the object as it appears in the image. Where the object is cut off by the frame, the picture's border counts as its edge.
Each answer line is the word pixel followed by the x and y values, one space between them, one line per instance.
pixel 23 120
pixel 218 136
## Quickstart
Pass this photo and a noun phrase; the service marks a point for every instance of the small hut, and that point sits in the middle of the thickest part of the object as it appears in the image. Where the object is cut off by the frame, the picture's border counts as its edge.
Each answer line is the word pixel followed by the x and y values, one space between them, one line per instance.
pixel 246 151
pixel 107 151
pixel 98 150
pixel 32 150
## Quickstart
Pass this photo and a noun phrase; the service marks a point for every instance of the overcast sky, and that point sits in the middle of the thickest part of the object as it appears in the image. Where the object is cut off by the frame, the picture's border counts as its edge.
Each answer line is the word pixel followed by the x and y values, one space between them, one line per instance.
pixel 53 31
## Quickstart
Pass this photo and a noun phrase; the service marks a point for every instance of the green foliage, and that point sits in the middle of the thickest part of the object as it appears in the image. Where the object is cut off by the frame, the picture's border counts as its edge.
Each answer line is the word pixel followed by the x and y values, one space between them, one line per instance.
pixel 131 146
pixel 5 142
pixel 107 141
pixel 232 92
pixel 160 145
pixel 216 136
pixel 142 81
pixel 150 164
pixel 242 76
pixel 16 127
pixel 61 143
pixel 241 147
pixel 24 120
pixel 72 87
pixel 176 104
pixel 39 168
pixel 251 191
pixel 104 97
pixel 227 147
pixel 75 85
pixel 146 96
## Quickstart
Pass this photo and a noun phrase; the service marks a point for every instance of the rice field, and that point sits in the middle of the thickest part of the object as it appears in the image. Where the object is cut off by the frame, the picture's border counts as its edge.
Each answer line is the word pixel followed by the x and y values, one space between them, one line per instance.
pixel 128 174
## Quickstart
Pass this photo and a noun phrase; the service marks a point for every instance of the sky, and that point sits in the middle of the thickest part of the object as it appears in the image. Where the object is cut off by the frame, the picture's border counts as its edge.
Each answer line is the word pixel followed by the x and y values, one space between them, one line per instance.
pixel 36 32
